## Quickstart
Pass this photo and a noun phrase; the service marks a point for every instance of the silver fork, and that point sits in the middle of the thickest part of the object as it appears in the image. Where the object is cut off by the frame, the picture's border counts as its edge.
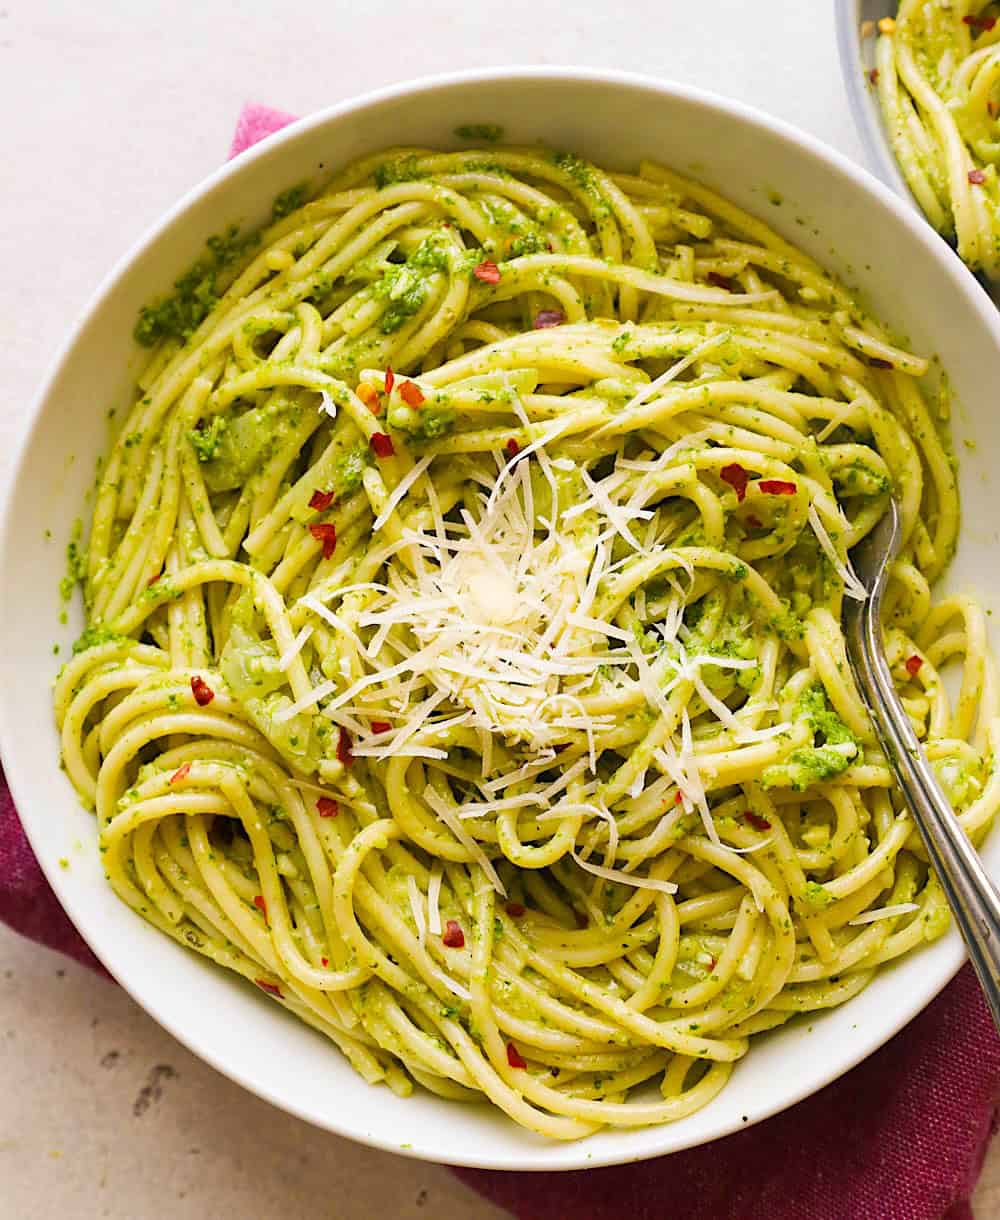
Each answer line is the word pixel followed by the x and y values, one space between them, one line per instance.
pixel 973 898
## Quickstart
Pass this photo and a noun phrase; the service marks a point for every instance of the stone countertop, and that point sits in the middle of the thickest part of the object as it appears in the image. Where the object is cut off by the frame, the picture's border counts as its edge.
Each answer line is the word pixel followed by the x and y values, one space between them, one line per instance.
pixel 112 110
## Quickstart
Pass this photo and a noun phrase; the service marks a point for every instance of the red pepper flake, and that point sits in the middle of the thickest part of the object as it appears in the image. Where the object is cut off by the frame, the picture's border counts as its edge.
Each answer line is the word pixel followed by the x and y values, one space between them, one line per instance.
pixel 878 363
pixel 980 23
pixel 679 799
pixel 325 961
pixel 754 522
pixel 369 396
pixel 411 394
pixel 327 807
pixel 977 177
pixel 873 76
pixel 381 445
pixel 260 904
pixel 182 772
pixel 756 820
pixel 344 753
pixel 515 909
pixel 992 109
pixel 203 693
pixel 270 988
pixel 777 487
pixel 549 317
pixel 737 478
pixel 712 964
pixel 390 378
pixel 325 532
pixel 721 281
pixel 381 726
pixel 514 1056
pixel 321 500
pixel 453 936
pixel 488 272
pixel 154 580
pixel 512 448
pixel 913 665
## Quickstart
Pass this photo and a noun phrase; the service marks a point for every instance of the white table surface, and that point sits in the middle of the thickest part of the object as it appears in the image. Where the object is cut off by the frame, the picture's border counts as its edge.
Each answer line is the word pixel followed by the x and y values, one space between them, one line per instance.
pixel 111 109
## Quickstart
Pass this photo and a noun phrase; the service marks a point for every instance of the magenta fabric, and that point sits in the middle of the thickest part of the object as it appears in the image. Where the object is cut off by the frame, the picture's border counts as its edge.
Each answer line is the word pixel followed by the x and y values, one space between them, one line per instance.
pixel 902 1137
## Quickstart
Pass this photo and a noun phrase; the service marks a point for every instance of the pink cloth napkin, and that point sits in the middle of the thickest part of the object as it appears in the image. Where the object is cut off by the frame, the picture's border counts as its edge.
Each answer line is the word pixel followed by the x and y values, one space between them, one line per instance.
pixel 902 1137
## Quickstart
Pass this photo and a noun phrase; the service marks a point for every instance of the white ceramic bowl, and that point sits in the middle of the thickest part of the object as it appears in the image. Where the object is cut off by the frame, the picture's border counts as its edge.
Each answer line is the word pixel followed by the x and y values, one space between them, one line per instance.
pixel 837 212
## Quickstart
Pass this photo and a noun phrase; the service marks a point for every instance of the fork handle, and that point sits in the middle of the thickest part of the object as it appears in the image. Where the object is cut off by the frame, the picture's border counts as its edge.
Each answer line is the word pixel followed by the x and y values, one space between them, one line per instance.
pixel 972 896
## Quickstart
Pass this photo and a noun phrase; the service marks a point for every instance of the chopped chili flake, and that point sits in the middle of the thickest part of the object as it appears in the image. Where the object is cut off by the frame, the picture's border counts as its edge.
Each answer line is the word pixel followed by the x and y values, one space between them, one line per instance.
pixel 721 281
pixel 411 394
pixel 512 448
pixel 260 904
pixel 325 532
pixel 390 378
pixel 154 580
pixel 873 76
pixel 712 964
pixel 270 988
pixel 327 807
pixel 737 478
pixel 515 909
pixel 182 772
pixel 203 693
pixel 453 936
pixel 549 317
pixel 777 487
pixel 344 753
pixel 514 1056
pixel 369 396
pixel 488 272
pixel 980 22
pixel 878 363
pixel 992 109
pixel 321 500
pixel 913 665
pixel 755 523
pixel 381 445
pixel 325 961
pixel 977 177
pixel 381 726
pixel 756 820
pixel 679 799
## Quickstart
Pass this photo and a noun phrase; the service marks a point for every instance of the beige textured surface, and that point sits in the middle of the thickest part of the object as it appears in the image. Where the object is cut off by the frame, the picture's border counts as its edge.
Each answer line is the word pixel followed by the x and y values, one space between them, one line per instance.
pixel 111 110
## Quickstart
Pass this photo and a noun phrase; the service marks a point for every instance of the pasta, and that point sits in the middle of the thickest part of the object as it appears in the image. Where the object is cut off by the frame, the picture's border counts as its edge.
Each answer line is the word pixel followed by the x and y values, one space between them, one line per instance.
pixel 937 75
pixel 463 663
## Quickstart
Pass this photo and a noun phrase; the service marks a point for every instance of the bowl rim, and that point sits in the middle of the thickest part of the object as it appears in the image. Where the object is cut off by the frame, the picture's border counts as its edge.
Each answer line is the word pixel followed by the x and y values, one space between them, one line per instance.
pixel 739 112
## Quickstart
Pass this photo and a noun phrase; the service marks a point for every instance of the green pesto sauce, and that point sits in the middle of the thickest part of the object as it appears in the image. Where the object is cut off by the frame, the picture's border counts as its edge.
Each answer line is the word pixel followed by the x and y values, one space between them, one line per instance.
pixel 205 441
pixel 76 563
pixel 491 133
pixel 288 201
pixel 821 761
pixel 94 636
pixel 195 293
